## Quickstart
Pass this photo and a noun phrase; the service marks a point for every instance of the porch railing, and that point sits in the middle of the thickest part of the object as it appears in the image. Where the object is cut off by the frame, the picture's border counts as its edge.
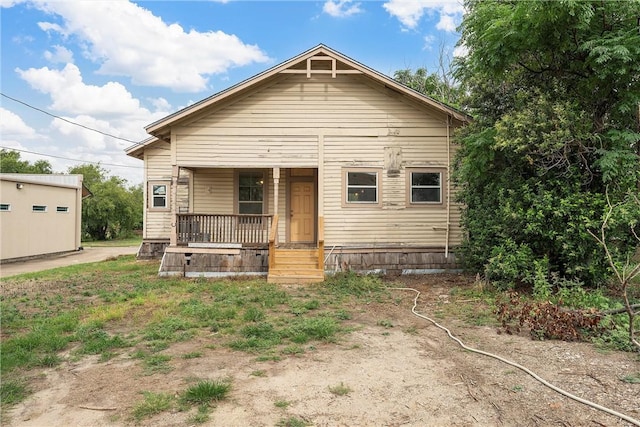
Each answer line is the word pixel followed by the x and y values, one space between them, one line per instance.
pixel 221 228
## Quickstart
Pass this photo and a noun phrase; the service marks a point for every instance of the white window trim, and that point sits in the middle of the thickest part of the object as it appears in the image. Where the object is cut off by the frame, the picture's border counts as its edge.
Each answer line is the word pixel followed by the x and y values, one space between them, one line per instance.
pixel 443 181
pixel 62 209
pixel 8 209
pixel 150 196
pixel 36 208
pixel 345 188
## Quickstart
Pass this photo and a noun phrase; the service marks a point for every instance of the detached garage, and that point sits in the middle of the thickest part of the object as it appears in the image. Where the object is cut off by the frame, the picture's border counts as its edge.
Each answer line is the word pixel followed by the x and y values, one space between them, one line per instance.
pixel 39 214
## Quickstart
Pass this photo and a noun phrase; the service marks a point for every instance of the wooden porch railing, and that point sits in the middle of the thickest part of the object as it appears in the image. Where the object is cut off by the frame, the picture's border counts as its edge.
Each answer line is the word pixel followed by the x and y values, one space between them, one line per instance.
pixel 220 228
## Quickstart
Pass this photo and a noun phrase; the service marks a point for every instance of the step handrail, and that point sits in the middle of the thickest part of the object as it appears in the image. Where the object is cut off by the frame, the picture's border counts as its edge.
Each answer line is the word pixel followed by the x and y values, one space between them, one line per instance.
pixel 273 236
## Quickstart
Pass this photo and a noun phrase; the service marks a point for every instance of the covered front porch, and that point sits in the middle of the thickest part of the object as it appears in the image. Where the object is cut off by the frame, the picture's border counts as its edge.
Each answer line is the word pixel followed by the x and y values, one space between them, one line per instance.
pixel 244 221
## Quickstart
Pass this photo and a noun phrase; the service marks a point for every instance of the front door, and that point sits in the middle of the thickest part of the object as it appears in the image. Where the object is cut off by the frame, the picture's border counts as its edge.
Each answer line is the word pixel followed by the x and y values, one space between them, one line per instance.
pixel 302 215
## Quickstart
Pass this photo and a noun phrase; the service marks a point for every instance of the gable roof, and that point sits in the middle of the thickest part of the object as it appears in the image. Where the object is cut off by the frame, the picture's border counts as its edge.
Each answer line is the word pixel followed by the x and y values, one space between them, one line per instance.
pixel 137 150
pixel 301 64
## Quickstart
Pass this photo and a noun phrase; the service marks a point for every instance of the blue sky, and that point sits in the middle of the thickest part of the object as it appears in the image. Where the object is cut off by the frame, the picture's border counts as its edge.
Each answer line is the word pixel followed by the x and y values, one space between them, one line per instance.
pixel 117 65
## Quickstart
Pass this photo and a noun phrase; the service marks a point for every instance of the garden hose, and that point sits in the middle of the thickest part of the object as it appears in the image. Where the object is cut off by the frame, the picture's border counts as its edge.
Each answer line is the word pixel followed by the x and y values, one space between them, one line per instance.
pixel 515 365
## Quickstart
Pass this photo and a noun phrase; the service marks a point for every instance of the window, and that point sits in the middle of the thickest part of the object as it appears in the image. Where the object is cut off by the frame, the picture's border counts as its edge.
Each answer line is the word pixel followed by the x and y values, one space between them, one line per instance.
pixel 425 186
pixel 62 209
pixel 250 192
pixel 5 207
pixel 39 208
pixel 159 196
pixel 362 187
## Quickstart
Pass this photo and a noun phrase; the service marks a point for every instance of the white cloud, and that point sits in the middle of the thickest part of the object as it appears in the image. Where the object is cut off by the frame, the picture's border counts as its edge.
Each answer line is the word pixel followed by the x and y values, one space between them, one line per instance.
pixel 409 12
pixel 10 3
pixel 341 8
pixel 446 23
pixel 428 42
pixel 460 51
pixel 160 104
pixel 60 55
pixel 12 126
pixel 71 95
pixel 128 40
pixel 109 108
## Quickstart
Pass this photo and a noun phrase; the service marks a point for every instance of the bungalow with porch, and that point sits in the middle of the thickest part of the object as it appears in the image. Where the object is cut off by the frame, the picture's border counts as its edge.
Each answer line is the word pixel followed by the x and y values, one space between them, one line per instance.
pixel 318 164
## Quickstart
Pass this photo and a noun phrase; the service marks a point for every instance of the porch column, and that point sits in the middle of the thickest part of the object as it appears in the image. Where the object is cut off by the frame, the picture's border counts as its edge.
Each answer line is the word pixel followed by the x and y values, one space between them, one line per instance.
pixel 175 171
pixel 276 185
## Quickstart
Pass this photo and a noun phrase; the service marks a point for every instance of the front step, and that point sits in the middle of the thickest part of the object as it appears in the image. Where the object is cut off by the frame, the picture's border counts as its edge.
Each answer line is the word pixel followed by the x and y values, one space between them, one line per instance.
pixel 296 266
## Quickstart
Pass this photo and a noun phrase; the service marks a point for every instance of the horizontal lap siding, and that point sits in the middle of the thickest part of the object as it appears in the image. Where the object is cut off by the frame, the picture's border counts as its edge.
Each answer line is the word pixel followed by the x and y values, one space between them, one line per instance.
pixel 281 126
pixel 213 191
pixel 157 224
pixel 240 151
pixel 394 222
pixel 298 109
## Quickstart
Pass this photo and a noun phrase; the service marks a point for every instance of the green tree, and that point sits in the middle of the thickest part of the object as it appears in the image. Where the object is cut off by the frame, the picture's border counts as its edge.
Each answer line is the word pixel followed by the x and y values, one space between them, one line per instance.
pixel 555 91
pixel 114 210
pixel 440 86
pixel 10 162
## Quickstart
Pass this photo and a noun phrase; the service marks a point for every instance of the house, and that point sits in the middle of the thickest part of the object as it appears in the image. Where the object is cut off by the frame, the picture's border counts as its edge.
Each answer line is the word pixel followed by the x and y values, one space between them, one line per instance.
pixel 39 214
pixel 317 164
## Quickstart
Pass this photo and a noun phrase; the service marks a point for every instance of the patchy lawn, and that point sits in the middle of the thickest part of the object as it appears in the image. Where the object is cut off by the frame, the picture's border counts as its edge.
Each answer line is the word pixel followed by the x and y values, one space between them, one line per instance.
pixel 111 344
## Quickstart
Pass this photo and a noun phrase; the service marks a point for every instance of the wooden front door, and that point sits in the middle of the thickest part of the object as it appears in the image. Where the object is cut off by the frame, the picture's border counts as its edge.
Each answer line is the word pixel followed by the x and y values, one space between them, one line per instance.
pixel 302 218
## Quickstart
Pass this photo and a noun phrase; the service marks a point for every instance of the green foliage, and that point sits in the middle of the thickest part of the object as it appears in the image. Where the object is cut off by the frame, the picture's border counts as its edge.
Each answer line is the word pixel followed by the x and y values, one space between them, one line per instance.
pixel 292 422
pixel 95 340
pixel 157 363
pixel 12 392
pixel 438 86
pixel 207 391
pixel 152 404
pixel 340 389
pixel 113 211
pixel 554 88
pixel 632 378
pixel 10 163
pixel 352 284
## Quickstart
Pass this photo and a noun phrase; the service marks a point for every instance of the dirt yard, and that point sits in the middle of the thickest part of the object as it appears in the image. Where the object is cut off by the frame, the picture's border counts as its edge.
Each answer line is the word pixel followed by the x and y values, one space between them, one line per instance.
pixel 401 370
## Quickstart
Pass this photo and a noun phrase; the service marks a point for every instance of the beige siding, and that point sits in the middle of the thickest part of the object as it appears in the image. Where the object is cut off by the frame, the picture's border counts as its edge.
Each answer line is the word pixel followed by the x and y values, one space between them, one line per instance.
pixel 26 233
pixel 213 191
pixel 280 125
pixel 394 222
pixel 157 161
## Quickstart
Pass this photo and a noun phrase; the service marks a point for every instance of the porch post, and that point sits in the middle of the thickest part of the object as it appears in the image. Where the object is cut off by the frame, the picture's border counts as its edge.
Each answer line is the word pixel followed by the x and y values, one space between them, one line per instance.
pixel 175 171
pixel 276 184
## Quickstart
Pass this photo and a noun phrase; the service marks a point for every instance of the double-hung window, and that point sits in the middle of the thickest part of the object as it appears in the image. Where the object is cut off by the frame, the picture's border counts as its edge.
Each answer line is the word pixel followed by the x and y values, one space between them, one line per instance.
pixel 159 196
pixel 361 187
pixel 425 186
pixel 251 192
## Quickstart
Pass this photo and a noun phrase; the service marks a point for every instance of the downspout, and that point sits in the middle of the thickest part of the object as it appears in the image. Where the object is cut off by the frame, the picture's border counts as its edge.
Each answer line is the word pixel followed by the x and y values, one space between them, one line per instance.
pixel 446 243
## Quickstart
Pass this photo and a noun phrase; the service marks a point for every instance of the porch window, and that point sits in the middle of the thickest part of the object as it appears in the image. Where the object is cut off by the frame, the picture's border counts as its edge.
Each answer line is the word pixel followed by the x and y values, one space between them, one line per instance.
pixel 250 192
pixel 159 196
pixel 362 187
pixel 425 186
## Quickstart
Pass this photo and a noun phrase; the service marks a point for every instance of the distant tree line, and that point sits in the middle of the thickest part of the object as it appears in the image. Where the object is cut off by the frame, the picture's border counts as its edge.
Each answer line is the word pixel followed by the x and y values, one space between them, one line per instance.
pixel 115 209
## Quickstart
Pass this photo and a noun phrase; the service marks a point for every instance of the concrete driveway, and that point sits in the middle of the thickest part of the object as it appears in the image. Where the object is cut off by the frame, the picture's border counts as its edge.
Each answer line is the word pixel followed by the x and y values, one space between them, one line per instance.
pixel 91 254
